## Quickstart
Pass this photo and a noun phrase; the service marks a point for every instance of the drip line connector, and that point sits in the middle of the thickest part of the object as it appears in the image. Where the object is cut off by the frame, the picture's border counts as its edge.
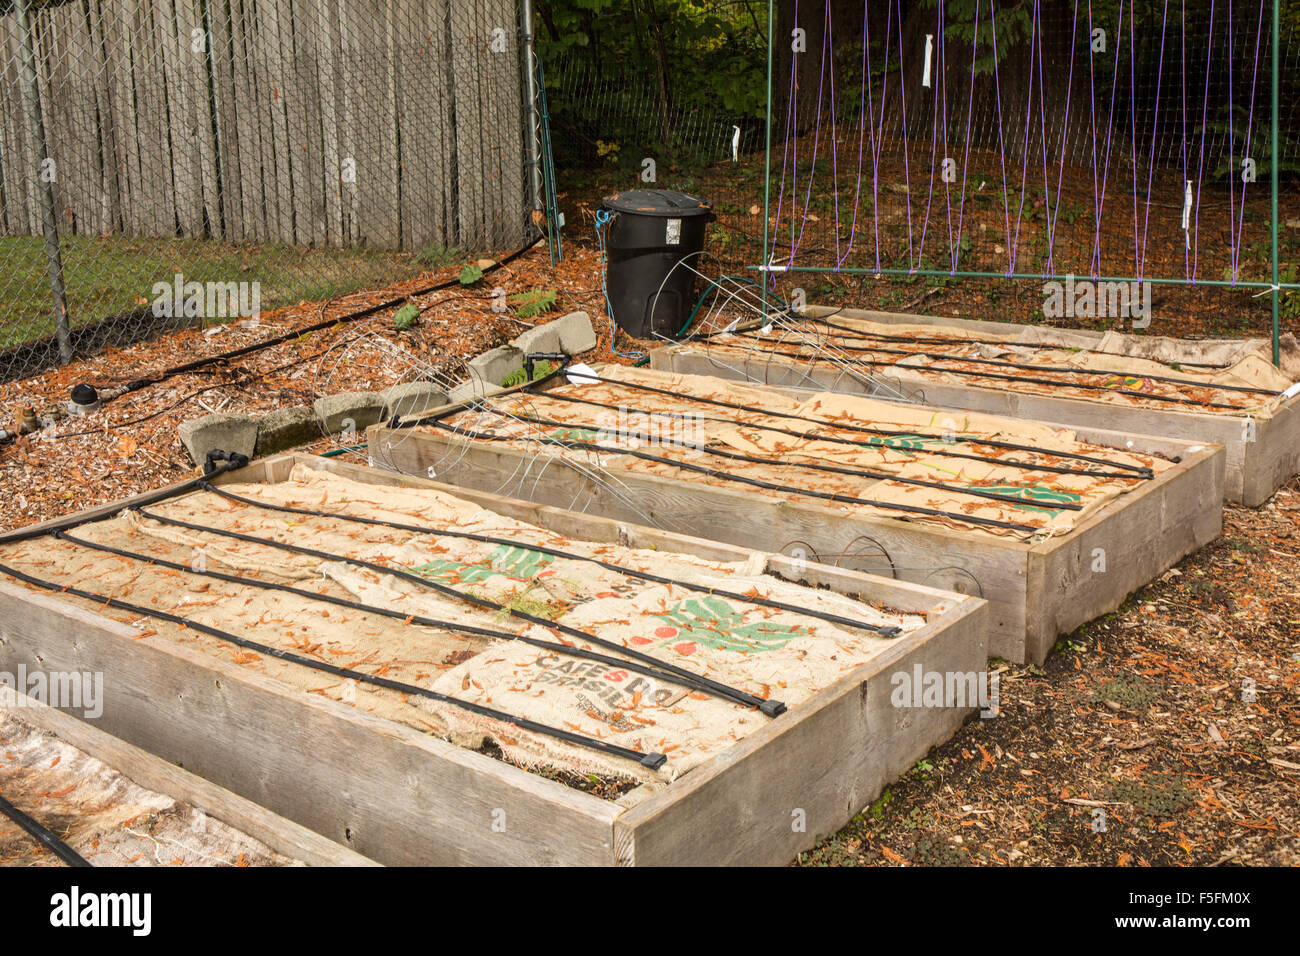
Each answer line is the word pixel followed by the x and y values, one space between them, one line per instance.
pixel 85 400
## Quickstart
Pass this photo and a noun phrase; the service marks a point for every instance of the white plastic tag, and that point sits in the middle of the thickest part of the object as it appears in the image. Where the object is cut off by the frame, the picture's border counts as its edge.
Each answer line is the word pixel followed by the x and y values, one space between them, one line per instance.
pixel 576 374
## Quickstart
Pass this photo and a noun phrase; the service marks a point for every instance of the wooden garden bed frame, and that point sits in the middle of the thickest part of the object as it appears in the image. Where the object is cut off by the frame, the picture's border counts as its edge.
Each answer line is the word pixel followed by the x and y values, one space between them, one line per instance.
pixel 399 796
pixel 1262 455
pixel 153 773
pixel 1036 591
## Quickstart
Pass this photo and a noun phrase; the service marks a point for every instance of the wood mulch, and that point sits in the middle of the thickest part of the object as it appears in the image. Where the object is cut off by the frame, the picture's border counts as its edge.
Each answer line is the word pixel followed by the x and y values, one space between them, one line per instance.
pixel 1166 733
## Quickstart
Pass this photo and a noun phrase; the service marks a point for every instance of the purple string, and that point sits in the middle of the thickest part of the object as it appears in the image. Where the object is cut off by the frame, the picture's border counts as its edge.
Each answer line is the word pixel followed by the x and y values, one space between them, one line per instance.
pixel 791 108
pixel 1250 121
pixel 934 151
pixel 1002 146
pixel 970 107
pixel 902 96
pixel 1200 162
pixel 877 143
pixel 864 99
pixel 1095 264
pixel 1065 125
pixel 1187 246
pixel 1092 126
pixel 817 140
pixel 835 159
pixel 1132 86
pixel 1029 122
pixel 1155 132
pixel 943 77
pixel 1042 113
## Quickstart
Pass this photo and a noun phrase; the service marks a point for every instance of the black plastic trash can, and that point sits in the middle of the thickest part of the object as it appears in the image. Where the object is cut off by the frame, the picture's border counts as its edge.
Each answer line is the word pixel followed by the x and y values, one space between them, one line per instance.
pixel 651 232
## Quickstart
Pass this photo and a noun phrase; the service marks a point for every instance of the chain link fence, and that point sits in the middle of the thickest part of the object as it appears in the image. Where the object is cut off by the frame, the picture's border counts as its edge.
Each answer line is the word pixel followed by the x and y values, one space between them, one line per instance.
pixel 666 94
pixel 905 140
pixel 173 162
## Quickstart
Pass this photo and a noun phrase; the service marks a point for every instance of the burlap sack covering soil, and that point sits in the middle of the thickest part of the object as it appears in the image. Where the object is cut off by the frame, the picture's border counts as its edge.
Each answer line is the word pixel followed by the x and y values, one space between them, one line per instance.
pixel 1116 361
pixel 768 652
pixel 926 452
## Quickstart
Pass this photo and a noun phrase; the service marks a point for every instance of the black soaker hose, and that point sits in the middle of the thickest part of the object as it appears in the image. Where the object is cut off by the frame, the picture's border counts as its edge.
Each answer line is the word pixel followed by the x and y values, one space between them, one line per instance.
pixel 43 835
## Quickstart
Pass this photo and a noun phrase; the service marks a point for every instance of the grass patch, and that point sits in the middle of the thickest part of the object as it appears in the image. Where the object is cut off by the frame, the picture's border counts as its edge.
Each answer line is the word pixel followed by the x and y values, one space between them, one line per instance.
pixel 115 275
pixel 1134 694
pixel 1160 798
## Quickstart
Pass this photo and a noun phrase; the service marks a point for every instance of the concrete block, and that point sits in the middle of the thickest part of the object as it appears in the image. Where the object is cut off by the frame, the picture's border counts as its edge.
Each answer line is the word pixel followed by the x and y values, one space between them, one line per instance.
pixel 495 366
pixel 287 428
pixel 233 433
pixel 571 334
pixel 355 411
pixel 411 398
pixel 576 333
pixel 542 338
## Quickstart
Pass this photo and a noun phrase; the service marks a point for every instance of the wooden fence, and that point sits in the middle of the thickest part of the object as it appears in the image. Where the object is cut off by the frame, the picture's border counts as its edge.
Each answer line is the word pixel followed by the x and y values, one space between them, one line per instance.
pixel 385 123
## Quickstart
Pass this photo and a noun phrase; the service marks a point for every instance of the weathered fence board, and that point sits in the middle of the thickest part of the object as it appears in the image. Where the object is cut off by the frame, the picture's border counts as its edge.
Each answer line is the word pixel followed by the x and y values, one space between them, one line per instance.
pixel 242 121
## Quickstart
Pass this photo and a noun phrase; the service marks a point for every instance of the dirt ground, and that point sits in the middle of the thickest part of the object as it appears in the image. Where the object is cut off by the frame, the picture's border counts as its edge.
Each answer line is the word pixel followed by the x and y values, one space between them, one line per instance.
pixel 1167 733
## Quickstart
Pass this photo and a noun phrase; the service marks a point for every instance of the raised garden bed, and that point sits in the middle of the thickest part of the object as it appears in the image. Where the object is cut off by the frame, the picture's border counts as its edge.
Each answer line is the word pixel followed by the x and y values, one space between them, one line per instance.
pixel 1221 392
pixel 948 499
pixel 207 667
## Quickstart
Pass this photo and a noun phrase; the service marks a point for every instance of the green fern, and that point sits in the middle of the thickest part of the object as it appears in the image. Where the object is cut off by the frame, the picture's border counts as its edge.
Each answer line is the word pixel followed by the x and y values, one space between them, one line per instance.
pixel 519 376
pixel 534 302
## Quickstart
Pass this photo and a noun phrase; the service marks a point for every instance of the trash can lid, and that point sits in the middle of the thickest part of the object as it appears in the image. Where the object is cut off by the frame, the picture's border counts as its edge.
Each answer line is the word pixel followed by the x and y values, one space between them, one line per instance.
pixel 657 202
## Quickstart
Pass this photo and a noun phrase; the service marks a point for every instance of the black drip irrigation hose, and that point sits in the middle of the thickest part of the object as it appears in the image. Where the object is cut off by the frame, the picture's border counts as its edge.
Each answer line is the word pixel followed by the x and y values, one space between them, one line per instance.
pixel 1139 470
pixel 834 439
pixel 651 760
pixel 1030 367
pixel 921 340
pixel 772 708
pixel 43 835
pixel 218 463
pixel 350 317
pixel 566 555
pixel 457 630
pixel 436 422
pixel 1133 393
pixel 830 469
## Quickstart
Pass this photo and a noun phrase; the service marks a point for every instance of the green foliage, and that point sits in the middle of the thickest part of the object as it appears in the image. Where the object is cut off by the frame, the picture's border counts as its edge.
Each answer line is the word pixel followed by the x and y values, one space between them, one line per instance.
pixel 470 274
pixel 1258 147
pixel 540 370
pixel 699 55
pixel 1014 25
pixel 437 256
pixel 406 317
pixel 534 302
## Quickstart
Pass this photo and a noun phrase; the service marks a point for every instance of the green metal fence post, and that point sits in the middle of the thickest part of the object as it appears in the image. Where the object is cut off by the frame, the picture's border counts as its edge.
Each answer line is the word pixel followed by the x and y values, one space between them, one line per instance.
pixel 1273 164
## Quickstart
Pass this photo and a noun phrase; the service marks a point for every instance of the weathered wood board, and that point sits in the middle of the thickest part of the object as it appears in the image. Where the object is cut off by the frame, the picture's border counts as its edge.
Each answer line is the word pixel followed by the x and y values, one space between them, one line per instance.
pixel 1036 592
pixel 146 770
pixel 1261 456
pixel 399 796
